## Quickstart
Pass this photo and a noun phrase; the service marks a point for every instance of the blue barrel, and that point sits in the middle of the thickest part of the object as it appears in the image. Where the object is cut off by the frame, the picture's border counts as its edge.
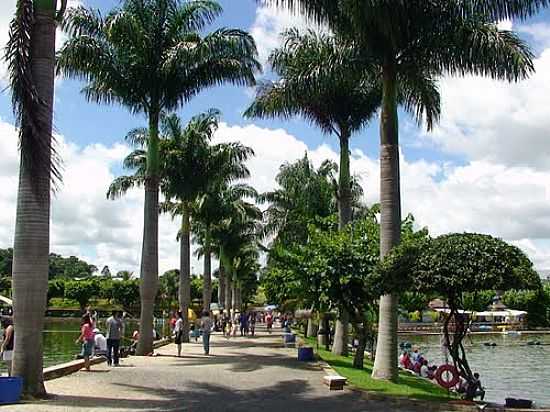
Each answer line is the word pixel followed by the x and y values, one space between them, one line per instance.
pixel 10 389
pixel 305 354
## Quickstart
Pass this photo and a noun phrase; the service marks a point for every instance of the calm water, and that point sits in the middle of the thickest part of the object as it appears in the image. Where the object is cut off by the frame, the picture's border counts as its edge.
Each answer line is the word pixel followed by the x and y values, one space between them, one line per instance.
pixel 60 336
pixel 510 369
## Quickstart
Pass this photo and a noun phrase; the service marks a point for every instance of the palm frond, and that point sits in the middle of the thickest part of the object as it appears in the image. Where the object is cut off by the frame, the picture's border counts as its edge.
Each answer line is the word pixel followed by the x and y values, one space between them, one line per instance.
pixel 32 113
pixel 122 184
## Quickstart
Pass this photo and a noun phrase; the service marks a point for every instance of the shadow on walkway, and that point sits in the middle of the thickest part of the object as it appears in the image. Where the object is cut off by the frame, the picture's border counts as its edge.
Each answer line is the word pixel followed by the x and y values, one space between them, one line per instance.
pixel 286 396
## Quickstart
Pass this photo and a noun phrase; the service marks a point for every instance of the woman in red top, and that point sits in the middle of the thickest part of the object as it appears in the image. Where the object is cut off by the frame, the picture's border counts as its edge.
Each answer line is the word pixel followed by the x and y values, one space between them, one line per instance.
pixel 87 339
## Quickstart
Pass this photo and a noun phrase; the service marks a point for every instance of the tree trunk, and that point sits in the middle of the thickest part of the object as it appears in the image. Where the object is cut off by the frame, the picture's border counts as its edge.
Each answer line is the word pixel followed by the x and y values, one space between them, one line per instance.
pixel 149 258
pixel 228 294
pixel 344 181
pixel 341 332
pixel 311 327
pixel 207 278
pixel 32 224
pixel 385 363
pixel 221 285
pixel 359 358
pixel 234 296
pixel 185 271
pixel 340 346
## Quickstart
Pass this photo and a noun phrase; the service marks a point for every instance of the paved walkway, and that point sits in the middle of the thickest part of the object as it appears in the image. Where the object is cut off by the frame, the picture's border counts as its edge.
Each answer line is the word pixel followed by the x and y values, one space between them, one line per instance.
pixel 241 374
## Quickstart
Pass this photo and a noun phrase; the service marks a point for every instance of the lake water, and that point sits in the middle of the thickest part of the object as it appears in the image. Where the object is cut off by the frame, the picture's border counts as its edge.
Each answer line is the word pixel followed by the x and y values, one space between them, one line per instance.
pixel 511 369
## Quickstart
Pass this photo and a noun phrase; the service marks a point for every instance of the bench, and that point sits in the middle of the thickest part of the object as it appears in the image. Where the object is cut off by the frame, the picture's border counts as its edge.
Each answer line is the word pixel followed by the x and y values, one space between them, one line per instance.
pixel 334 382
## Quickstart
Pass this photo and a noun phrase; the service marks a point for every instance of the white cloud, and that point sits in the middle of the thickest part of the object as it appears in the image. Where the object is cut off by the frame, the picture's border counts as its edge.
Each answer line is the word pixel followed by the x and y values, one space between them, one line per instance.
pixel 487 120
pixel 505 201
pixel 270 22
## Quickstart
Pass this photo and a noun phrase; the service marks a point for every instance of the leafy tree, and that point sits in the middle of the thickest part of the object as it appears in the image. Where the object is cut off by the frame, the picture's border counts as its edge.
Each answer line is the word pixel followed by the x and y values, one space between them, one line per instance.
pixel 81 291
pixel 106 272
pixel 124 274
pixel 169 285
pixel 305 195
pixel 56 288
pixel 5 284
pixel 151 57
pixel 71 267
pixel 456 264
pixel 126 292
pixel 6 261
pixel 401 41
pixel 30 57
pixel 535 302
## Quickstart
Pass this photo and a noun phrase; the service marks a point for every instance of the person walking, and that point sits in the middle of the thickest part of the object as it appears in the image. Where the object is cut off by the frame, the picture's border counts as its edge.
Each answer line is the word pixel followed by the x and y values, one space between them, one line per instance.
pixel 206 326
pixel 252 323
pixel 114 335
pixel 87 339
pixel 6 350
pixel 178 330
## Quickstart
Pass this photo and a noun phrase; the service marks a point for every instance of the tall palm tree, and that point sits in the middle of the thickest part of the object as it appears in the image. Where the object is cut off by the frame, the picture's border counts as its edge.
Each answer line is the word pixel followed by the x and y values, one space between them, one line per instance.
pixel 400 37
pixel 30 55
pixel 150 56
pixel 328 81
pixel 238 228
pixel 304 194
pixel 188 152
pixel 227 164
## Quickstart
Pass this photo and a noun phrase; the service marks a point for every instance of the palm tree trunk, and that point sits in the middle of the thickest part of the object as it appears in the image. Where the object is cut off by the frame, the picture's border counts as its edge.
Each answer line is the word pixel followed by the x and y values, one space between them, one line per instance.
pixel 185 271
pixel 344 181
pixel 32 224
pixel 359 358
pixel 149 259
pixel 228 294
pixel 341 332
pixel 385 363
pixel 235 296
pixel 207 277
pixel 221 285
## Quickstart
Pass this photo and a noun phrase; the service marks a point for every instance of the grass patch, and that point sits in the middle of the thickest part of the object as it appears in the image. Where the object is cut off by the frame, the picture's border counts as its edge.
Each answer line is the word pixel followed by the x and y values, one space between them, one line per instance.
pixel 407 385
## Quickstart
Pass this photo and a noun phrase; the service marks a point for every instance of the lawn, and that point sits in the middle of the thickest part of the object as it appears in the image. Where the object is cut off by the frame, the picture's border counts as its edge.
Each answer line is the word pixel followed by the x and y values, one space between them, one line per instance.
pixel 408 385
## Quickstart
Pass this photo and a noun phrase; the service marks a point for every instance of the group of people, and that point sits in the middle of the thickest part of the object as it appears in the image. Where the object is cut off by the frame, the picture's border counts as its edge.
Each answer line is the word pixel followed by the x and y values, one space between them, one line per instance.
pixel 94 342
pixel 413 360
pixel 202 328
pixel 416 362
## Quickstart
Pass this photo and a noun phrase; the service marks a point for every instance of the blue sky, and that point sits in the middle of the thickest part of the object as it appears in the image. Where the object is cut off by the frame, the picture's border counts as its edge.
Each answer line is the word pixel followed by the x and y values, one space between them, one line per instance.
pixel 485 168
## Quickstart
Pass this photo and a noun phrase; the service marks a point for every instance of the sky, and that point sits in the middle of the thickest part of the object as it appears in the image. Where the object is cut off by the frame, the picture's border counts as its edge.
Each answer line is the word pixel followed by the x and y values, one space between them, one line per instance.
pixel 485 167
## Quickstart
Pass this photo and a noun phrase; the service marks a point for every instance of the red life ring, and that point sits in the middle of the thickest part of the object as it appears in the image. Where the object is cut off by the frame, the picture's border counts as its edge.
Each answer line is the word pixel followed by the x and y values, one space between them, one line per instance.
pixel 443 380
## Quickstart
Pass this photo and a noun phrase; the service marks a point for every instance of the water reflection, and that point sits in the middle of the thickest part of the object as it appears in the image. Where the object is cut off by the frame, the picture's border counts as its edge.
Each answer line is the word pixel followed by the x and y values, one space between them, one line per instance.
pixel 512 368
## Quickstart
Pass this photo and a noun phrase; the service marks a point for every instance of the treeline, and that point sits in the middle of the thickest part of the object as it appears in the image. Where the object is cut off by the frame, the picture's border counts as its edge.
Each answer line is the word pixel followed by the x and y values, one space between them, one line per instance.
pixel 59 266
pixel 105 292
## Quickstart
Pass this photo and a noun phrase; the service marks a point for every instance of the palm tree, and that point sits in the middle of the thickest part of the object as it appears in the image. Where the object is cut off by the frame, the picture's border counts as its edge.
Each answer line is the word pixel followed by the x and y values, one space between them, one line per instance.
pixel 321 80
pixel 237 228
pixel 150 56
pixel 401 39
pixel 30 55
pixel 226 165
pixel 188 153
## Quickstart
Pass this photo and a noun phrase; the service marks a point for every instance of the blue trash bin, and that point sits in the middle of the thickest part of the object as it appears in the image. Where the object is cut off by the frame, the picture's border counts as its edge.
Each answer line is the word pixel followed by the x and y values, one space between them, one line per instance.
pixel 10 389
pixel 305 354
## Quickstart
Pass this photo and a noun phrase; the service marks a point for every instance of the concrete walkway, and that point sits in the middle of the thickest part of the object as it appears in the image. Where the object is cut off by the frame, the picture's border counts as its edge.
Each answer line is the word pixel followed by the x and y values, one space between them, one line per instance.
pixel 241 374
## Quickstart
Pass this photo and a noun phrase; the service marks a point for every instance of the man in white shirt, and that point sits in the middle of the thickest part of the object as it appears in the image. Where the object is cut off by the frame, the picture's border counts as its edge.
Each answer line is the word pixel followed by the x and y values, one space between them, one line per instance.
pixel 100 343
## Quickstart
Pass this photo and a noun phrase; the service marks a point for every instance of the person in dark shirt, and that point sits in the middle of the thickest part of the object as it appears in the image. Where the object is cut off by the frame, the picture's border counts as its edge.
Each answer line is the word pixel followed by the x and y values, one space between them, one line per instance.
pixel 474 389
